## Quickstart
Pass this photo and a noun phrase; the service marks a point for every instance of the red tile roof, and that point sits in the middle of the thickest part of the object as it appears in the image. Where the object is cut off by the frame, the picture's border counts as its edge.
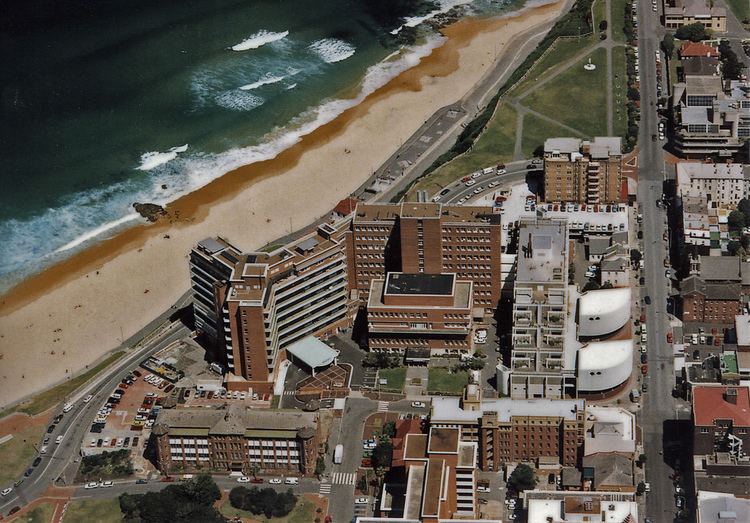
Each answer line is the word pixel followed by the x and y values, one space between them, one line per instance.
pixel 346 206
pixel 710 404
pixel 697 49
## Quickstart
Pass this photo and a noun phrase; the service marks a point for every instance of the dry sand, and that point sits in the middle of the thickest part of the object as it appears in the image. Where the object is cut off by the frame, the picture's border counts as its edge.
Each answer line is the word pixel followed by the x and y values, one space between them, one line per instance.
pixel 56 323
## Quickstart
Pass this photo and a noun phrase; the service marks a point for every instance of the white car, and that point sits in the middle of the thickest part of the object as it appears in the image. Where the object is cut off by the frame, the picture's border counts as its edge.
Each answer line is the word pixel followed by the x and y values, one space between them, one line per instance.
pixel 43 450
pixel 58 439
pixel 291 481
pixel 482 488
pixel 107 484
pixel 418 404
pixel 361 501
pixel 436 198
pixel 275 481
pixel 6 491
pixel 68 407
pixel 493 184
pixel 91 485
pixel 243 479
pixel 87 398
pixel 501 171
pixel 478 189
pixel 470 183
pixel 476 174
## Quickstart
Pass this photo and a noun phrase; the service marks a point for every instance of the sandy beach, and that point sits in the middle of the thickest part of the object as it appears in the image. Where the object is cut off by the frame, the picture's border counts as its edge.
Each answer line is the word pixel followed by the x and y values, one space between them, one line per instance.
pixel 57 322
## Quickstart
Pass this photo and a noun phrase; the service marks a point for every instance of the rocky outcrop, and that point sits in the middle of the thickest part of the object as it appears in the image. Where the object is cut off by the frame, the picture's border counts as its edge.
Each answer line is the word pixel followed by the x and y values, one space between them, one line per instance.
pixel 150 211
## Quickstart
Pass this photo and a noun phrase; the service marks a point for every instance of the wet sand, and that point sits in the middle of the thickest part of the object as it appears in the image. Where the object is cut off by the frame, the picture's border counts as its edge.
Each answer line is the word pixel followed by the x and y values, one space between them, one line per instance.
pixel 56 322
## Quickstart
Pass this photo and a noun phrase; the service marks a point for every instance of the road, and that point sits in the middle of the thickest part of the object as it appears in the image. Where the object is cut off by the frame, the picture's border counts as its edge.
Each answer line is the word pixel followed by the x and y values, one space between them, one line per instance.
pixel 60 463
pixel 658 405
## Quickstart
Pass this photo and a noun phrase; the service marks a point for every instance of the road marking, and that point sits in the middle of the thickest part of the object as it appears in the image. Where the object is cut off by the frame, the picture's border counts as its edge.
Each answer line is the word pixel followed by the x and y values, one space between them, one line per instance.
pixel 325 488
pixel 382 406
pixel 343 478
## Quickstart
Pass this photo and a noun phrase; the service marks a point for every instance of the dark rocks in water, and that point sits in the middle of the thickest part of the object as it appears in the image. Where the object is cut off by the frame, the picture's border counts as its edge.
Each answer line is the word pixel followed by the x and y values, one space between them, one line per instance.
pixel 150 211
pixel 164 186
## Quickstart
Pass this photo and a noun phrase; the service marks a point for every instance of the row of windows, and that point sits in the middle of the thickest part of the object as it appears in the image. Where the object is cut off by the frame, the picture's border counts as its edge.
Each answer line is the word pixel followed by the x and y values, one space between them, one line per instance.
pixel 398 315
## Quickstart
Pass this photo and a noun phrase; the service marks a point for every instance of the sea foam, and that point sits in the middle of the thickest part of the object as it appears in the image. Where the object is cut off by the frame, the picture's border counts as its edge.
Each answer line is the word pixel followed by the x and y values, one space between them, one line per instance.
pixel 445 6
pixel 332 50
pixel 266 80
pixel 154 159
pixel 259 39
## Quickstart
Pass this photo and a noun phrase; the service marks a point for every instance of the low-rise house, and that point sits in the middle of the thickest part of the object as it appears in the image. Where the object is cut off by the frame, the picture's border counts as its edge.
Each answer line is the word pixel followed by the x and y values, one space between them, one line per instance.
pixel 686 12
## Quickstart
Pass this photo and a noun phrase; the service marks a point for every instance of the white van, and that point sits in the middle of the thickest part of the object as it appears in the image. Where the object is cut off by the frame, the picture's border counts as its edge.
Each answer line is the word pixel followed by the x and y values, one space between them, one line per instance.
pixel 291 481
pixel 68 407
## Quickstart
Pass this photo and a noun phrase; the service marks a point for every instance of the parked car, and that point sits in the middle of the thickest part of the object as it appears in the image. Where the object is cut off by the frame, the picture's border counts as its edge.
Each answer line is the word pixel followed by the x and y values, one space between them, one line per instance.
pixel 6 491
pixel 58 439
pixel 107 484
pixel 291 481
pixel 418 404
pixel 275 481
pixel 141 481
pixel 87 398
pixel 90 485
pixel 361 501
pixel 243 479
pixel 37 461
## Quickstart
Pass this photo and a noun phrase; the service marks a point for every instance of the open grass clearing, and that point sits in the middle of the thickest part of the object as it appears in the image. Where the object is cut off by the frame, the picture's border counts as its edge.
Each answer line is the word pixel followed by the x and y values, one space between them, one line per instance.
pixel 17 453
pixel 536 130
pixel 576 98
pixel 42 513
pixel 563 49
pixel 599 8
pixel 99 510
pixel 618 19
pixel 740 8
pixel 619 92
pixel 495 145
pixel 445 382
pixel 51 397
pixel 396 378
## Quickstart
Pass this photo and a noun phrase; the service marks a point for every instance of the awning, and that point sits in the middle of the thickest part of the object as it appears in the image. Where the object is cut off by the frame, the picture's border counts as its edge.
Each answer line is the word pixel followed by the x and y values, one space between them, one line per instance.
pixel 312 352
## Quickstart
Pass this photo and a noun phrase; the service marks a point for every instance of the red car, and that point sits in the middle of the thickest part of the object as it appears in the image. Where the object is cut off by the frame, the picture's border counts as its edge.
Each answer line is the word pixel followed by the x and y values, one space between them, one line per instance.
pixel 644 369
pixel 256 480
pixel 167 479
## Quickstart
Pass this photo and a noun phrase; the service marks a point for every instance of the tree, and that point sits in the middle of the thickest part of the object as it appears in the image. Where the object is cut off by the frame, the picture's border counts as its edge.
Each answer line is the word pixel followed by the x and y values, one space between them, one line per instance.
pixel 362 485
pixel 603 25
pixel 522 478
pixel 734 248
pixel 320 466
pixel 263 501
pixel 635 256
pixel 189 501
pixel 667 45
pixel 693 32
pixel 382 455
pixel 736 220
pixel 254 469
pixel 389 429
pixel 538 151
pixel 744 207
pixel 591 285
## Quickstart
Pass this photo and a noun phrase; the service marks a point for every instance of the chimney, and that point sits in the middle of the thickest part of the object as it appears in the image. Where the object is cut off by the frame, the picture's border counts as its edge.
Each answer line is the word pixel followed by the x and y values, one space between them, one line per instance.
pixel 730 396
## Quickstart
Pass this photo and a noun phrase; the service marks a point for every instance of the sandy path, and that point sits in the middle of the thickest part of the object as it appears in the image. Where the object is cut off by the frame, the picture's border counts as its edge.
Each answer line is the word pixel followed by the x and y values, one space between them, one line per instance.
pixel 55 323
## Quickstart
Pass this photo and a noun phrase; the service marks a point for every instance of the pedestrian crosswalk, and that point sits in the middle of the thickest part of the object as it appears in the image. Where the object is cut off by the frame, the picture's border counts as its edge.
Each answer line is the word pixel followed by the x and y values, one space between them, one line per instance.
pixel 325 489
pixel 382 406
pixel 344 478
pixel 289 392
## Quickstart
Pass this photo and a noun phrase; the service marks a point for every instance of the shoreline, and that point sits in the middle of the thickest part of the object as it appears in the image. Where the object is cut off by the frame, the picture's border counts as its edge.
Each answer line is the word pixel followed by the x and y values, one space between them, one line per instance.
pixel 109 279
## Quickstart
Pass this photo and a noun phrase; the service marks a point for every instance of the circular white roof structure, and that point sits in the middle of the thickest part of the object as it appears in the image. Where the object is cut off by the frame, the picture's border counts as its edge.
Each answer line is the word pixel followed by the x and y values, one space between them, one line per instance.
pixel 603 311
pixel 603 365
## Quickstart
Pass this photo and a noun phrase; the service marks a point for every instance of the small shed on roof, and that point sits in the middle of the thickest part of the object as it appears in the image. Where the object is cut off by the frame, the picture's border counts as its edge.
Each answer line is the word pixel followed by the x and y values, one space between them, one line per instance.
pixel 312 352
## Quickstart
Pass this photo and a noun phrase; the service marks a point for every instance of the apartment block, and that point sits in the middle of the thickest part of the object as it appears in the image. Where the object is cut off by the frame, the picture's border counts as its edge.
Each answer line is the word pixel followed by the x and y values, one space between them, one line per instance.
pixel 269 300
pixel 686 12
pixel 509 430
pixel 711 302
pixel 236 439
pixel 429 238
pixel 420 315
pixel 211 262
pixel 723 183
pixel 540 310
pixel 582 171
pixel 712 122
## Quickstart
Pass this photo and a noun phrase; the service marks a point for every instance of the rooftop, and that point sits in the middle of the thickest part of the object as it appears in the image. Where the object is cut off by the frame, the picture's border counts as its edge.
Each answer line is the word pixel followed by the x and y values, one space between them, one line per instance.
pixel 608 470
pixel 542 252
pixel 312 352
pixel 742 327
pixel 700 66
pixel 420 284
pixel 711 403
pixel 717 507
pixel 443 440
pixel 698 49
pixel 445 409
pixel 720 268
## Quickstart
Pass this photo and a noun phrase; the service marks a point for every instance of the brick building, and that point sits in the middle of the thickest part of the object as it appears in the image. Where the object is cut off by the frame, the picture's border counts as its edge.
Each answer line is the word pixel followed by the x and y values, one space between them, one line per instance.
pixel 579 171
pixel 427 238
pixel 236 439
pixel 721 419
pixel 411 313
pixel 714 302
pixel 512 430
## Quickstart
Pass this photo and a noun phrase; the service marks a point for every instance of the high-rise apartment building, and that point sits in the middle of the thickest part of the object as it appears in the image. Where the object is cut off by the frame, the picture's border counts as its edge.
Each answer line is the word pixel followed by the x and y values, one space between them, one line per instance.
pixel 540 310
pixel 583 171
pixel 428 238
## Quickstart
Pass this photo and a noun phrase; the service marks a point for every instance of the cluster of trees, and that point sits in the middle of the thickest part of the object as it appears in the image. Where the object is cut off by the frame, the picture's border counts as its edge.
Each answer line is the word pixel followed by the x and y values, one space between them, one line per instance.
pixel 107 464
pixel 667 45
pixel 472 363
pixel 631 138
pixel 575 22
pixel 738 220
pixel 265 501
pixel 382 455
pixel 628 27
pixel 693 32
pixel 382 360
pixel 522 478
pixel 731 66
pixel 186 502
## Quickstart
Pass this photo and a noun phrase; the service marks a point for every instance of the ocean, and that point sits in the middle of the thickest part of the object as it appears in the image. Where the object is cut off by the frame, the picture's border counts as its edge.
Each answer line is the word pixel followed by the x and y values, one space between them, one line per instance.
pixel 113 102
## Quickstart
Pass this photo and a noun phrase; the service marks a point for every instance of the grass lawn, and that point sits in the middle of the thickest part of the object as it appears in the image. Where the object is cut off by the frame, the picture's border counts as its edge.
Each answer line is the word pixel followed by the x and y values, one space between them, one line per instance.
pixel 563 50
pixel 576 98
pixel 618 19
pixel 495 145
pixel 535 131
pixel 741 9
pixel 51 397
pixel 620 92
pixel 16 453
pixel 396 378
pixel 41 514
pixel 304 512
pixel 99 510
pixel 447 383
pixel 599 7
